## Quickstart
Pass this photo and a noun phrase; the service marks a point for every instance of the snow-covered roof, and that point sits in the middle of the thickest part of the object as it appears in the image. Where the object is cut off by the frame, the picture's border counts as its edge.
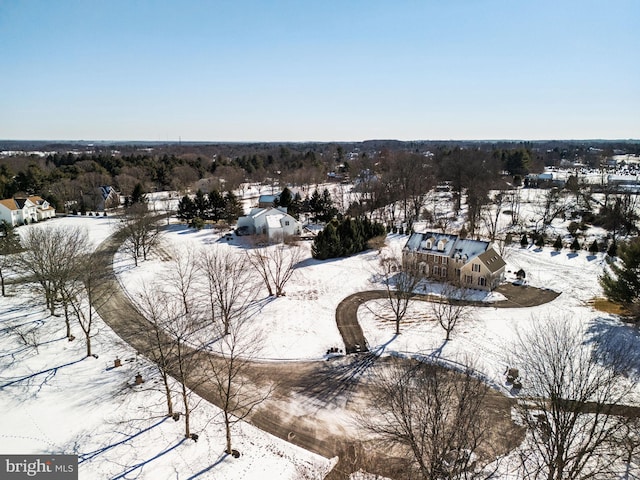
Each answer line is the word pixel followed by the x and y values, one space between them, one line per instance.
pixel 273 221
pixel 445 244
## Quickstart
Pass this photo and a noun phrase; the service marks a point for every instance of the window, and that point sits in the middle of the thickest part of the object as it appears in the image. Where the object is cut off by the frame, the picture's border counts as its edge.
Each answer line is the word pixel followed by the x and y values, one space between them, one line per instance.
pixel 457 272
pixel 444 260
pixel 482 281
pixel 443 272
pixel 436 270
pixel 286 222
pixel 475 267
pixel 468 279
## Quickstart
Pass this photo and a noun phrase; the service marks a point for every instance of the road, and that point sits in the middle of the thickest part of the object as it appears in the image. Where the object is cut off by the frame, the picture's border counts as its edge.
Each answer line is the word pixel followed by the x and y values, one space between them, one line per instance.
pixel 312 404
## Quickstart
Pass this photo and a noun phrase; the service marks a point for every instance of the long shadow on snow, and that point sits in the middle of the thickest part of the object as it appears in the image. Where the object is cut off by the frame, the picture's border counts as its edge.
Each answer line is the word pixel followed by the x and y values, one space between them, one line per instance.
pixel 613 342
pixel 84 457
pixel 142 464
pixel 334 380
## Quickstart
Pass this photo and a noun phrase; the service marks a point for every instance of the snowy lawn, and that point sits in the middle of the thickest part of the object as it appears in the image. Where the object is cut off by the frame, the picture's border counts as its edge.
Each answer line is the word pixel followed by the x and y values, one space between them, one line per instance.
pixel 59 401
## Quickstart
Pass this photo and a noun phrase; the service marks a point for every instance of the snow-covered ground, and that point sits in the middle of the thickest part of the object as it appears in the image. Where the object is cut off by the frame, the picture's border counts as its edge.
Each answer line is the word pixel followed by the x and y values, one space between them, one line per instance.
pixel 62 402
pixel 58 401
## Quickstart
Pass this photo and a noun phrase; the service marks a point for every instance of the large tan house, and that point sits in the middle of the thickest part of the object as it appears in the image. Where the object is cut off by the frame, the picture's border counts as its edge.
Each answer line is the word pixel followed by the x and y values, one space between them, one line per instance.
pixel 449 258
pixel 18 211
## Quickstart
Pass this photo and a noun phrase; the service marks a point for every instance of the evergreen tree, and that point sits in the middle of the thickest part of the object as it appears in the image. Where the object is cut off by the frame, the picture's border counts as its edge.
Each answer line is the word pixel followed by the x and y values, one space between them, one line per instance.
pixel 612 251
pixel 186 209
pixel 622 284
pixel 285 199
pixel 138 195
pixel 216 205
pixel 575 245
pixel 558 244
pixel 540 241
pixel 594 247
pixel 232 207
pixel 524 241
pixel 201 205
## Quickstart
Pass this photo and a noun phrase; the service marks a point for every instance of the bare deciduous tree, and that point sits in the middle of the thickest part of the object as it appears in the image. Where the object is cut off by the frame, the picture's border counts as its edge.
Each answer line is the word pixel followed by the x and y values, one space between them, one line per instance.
pixel 154 307
pixel 400 284
pixel 572 390
pixel 275 264
pixel 140 231
pixel 452 309
pixel 235 345
pixel 52 255
pixel 229 285
pixel 431 416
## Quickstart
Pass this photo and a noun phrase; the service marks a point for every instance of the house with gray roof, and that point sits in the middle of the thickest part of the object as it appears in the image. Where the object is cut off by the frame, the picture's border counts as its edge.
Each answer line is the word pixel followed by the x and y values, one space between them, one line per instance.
pixel 449 258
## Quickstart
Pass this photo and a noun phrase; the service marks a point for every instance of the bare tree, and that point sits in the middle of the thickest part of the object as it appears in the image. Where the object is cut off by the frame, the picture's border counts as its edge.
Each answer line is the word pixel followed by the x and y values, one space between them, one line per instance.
pixel 552 205
pixel 51 256
pixel 140 231
pixel 431 416
pixel 182 276
pixel 572 389
pixel 400 284
pixel 9 248
pixel 491 214
pixel 156 309
pixel 229 285
pixel 235 345
pixel 452 309
pixel 87 288
pixel 275 264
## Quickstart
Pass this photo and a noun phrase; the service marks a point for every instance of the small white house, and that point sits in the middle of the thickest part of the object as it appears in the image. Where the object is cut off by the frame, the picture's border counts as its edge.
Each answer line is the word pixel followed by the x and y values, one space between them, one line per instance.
pixel 18 211
pixel 273 222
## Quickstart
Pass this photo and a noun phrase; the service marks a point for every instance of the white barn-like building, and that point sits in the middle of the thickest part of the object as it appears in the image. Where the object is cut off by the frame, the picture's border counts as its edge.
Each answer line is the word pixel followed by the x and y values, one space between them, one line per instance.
pixel 273 222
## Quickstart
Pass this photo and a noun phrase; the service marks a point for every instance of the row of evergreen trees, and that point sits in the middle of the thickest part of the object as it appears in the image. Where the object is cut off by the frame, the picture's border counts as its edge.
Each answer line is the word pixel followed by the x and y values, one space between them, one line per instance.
pixel 541 241
pixel 213 206
pixel 345 237
pixel 319 206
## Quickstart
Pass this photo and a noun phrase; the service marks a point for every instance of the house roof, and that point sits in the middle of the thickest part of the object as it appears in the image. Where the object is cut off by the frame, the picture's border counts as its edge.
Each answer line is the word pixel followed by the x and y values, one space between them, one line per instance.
pixel 273 221
pixel 268 198
pixel 453 245
pixel 492 260
pixel 9 203
pixel 257 212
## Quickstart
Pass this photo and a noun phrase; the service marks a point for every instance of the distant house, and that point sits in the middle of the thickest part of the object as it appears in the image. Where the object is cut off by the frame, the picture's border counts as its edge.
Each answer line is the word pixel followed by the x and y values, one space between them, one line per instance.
pixel 266 201
pixel 273 222
pixel 449 258
pixel 20 211
pixel 101 198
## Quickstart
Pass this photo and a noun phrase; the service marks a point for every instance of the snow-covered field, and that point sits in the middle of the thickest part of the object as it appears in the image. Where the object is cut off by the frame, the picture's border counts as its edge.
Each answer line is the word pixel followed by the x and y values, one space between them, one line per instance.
pixel 57 401
pixel 61 402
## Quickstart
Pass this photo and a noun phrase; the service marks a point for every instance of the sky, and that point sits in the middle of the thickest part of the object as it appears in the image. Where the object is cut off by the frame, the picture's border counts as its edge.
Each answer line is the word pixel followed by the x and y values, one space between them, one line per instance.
pixel 330 70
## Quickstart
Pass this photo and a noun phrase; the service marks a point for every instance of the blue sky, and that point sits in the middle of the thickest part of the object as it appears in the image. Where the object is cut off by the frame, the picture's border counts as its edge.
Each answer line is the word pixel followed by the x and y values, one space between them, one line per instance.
pixel 243 70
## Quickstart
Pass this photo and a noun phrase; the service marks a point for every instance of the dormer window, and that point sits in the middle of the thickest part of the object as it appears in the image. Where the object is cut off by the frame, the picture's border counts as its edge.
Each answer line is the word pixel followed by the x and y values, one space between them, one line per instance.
pixel 441 244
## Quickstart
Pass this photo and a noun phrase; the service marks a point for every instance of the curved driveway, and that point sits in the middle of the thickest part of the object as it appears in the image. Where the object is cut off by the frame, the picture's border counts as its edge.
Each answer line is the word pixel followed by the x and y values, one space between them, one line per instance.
pixel 317 387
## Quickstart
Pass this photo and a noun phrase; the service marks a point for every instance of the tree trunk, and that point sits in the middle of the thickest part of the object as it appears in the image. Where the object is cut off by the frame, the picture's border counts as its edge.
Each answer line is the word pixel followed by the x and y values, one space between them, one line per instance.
pixel 88 341
pixel 66 320
pixel 227 427
pixel 167 392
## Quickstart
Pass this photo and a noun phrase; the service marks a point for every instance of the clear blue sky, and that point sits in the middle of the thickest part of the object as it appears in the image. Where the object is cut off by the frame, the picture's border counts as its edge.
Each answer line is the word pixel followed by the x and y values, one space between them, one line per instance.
pixel 319 70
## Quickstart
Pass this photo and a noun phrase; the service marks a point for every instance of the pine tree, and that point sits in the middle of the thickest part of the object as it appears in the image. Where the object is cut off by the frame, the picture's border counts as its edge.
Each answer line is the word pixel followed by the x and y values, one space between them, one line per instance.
pixel 594 247
pixel 186 209
pixel 612 251
pixel 622 284
pixel 575 245
pixel 524 241
pixel 558 244
pixel 216 205
pixel 232 207
pixel 540 241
